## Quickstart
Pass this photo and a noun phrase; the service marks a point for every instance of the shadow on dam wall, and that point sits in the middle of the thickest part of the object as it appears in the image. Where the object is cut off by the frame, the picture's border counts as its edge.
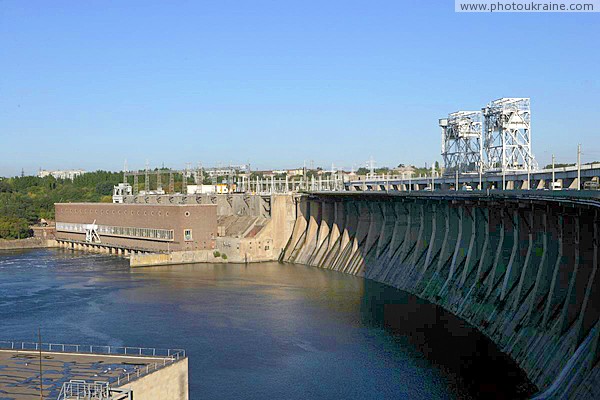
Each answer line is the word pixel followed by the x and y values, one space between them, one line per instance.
pixel 469 360
pixel 522 270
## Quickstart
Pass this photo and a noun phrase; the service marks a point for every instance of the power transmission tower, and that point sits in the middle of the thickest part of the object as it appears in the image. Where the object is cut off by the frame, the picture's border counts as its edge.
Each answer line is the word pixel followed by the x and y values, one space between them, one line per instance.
pixel 147 178
pixel 135 183
pixel 184 179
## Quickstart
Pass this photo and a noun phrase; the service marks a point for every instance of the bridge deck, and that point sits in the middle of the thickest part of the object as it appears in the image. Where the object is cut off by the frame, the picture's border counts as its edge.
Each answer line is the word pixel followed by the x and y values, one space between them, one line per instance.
pixel 591 197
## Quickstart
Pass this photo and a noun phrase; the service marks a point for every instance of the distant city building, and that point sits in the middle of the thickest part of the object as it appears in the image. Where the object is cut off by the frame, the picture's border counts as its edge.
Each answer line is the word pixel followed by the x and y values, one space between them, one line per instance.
pixel 348 176
pixel 226 171
pixel 220 188
pixel 61 174
pixel 295 172
pixel 404 170
pixel 120 191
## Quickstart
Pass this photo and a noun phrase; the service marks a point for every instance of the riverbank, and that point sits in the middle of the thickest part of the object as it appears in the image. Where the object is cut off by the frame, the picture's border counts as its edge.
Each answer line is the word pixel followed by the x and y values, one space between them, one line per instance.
pixel 29 243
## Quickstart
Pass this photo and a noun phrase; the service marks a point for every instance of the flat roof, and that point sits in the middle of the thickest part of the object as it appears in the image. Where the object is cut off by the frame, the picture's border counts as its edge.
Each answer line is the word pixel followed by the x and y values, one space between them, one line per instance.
pixel 136 204
pixel 20 370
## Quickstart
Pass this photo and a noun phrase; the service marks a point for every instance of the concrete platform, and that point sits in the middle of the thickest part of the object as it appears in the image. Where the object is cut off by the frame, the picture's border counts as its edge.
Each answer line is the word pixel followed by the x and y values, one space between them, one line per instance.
pixel 20 370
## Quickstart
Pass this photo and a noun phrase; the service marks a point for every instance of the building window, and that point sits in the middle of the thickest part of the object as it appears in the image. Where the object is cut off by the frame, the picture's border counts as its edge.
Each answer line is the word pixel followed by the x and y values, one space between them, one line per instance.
pixel 149 233
pixel 187 235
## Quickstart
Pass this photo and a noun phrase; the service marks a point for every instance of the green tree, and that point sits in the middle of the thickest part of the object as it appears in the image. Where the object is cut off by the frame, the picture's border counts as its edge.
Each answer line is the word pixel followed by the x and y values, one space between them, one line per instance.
pixel 549 166
pixel 5 187
pixel 18 205
pixel 14 228
pixel 32 198
pixel 104 188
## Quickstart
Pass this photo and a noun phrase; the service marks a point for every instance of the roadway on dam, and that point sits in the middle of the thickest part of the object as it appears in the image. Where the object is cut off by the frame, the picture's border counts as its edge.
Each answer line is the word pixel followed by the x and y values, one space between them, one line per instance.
pixel 264 330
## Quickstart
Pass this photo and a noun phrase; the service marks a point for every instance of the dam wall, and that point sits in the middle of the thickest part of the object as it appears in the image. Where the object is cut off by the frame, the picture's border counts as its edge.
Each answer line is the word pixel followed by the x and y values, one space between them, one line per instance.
pixel 521 269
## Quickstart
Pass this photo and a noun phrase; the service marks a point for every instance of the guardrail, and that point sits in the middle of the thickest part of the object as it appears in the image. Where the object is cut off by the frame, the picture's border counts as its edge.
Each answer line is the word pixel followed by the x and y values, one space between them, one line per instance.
pixel 168 356
pixel 496 174
pixel 572 196
pixel 78 389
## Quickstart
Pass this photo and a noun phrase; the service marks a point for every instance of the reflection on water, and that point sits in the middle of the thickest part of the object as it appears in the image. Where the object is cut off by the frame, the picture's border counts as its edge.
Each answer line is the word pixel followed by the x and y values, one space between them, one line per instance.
pixel 470 360
pixel 257 331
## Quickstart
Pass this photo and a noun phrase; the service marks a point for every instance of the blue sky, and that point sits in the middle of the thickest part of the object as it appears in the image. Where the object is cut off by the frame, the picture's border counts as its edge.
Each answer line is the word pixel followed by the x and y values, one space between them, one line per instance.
pixel 91 83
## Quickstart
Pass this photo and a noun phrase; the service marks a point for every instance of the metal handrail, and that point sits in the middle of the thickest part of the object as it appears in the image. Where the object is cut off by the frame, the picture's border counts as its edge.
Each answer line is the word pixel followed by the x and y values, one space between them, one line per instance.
pixel 79 389
pixel 91 349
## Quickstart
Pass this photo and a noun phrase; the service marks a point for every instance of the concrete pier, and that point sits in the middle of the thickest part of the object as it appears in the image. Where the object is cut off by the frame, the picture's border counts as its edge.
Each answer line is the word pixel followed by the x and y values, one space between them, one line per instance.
pixel 70 370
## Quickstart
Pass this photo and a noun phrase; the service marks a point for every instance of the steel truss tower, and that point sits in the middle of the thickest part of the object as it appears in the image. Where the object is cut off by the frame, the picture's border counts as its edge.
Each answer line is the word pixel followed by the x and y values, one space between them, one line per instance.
pixel 507 135
pixel 462 142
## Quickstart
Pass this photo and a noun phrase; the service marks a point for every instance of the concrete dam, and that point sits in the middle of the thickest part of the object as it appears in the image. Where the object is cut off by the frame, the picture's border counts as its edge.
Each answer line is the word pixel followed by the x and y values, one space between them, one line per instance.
pixel 521 268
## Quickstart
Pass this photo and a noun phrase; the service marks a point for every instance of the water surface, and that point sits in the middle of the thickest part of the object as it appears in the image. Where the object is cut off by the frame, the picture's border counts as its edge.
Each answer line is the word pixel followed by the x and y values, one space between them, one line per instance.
pixel 259 331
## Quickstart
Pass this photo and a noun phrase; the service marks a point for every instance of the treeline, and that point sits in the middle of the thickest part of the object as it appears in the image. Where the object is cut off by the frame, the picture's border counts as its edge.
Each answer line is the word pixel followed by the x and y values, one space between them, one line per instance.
pixel 26 200
pixel 417 171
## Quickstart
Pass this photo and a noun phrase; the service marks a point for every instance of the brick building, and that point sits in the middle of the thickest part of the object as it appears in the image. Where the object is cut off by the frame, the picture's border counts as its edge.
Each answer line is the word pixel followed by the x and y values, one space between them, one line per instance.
pixel 149 227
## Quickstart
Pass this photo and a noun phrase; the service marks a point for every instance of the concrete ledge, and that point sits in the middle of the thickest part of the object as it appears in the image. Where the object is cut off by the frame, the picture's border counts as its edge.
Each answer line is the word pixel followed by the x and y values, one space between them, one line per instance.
pixel 176 257
pixel 167 383
pixel 29 243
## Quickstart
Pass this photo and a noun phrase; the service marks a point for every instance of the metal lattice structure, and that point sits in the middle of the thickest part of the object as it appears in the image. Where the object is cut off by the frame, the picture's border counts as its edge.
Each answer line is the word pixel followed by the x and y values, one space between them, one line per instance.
pixel 82 390
pixel 462 141
pixel 507 135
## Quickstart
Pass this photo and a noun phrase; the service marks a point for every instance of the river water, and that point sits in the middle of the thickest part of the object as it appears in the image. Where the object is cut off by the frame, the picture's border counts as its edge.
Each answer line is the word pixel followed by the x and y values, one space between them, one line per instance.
pixel 270 330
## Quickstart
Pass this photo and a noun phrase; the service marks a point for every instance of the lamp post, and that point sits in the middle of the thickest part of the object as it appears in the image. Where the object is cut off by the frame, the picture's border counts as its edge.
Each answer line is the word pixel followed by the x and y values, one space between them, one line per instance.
pixel 552 171
pixel 579 166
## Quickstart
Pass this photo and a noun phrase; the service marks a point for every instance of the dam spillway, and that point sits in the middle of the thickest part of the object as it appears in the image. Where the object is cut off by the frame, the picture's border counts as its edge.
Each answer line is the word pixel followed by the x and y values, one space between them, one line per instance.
pixel 521 268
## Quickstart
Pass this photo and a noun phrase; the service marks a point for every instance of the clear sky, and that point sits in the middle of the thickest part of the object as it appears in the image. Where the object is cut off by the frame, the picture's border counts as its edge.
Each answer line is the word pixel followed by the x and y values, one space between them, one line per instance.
pixel 88 84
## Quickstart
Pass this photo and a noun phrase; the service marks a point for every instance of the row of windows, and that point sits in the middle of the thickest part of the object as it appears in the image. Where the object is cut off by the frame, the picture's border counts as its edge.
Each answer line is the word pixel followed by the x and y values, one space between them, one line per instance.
pixel 149 233
pixel 118 212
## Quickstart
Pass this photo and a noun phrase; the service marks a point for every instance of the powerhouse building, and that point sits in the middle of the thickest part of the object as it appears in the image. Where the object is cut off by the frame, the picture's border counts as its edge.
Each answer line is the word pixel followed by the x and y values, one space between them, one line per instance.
pixel 146 227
